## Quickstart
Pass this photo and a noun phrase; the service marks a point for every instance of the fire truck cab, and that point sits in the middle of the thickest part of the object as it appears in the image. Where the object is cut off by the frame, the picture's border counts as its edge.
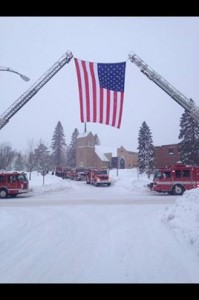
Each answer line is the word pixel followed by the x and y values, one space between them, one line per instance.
pixel 13 183
pixel 62 172
pixel 98 177
pixel 176 179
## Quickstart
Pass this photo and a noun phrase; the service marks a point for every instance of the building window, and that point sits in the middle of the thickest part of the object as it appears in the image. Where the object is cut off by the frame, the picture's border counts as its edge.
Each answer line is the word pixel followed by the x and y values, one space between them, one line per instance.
pixel 171 151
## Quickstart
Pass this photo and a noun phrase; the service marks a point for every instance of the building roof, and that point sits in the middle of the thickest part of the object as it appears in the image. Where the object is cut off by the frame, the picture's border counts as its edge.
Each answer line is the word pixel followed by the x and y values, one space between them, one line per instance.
pixel 101 150
pixel 82 135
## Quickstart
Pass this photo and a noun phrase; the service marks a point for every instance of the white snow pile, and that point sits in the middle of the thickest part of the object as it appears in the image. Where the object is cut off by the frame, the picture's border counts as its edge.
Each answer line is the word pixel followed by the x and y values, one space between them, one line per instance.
pixel 50 183
pixel 129 179
pixel 126 179
pixel 183 217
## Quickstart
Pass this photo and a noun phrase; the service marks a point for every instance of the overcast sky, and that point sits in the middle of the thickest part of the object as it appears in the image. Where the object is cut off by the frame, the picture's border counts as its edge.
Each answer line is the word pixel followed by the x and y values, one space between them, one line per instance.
pixel 31 45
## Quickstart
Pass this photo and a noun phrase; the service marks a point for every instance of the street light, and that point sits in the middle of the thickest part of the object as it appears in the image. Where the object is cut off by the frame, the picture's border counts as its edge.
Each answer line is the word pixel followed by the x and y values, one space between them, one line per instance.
pixel 25 78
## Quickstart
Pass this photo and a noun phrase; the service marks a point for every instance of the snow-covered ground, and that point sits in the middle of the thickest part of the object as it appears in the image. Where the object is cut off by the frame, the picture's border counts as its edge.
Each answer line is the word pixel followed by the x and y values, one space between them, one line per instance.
pixel 68 231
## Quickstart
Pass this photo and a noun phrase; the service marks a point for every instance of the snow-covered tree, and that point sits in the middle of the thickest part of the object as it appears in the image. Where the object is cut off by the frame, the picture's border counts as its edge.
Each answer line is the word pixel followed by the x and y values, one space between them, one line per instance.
pixel 97 140
pixel 42 157
pixel 145 149
pixel 58 146
pixel 189 135
pixel 19 163
pixel 30 157
pixel 71 153
pixel 7 156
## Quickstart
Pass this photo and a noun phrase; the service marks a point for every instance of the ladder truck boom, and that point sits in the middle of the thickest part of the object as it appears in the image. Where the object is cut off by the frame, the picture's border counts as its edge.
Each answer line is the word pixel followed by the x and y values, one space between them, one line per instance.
pixel 181 99
pixel 25 97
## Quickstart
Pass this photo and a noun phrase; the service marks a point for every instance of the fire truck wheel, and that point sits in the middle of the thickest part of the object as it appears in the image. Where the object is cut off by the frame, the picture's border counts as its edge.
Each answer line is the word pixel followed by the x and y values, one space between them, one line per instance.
pixel 177 189
pixel 3 193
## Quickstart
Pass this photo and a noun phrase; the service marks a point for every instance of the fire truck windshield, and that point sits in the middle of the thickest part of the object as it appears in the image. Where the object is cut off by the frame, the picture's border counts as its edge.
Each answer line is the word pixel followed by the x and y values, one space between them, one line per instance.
pixel 158 174
pixel 22 177
pixel 162 174
pixel 102 172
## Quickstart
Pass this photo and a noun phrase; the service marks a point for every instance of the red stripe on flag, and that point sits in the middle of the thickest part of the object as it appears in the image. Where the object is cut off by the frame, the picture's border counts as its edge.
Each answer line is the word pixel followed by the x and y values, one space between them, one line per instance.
pixel 121 109
pixel 108 107
pixel 94 92
pixel 86 82
pixel 80 90
pixel 101 105
pixel 114 107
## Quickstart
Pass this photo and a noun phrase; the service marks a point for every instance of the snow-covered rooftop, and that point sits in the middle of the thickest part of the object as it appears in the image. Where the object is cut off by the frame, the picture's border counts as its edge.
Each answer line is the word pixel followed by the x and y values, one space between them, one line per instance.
pixel 106 149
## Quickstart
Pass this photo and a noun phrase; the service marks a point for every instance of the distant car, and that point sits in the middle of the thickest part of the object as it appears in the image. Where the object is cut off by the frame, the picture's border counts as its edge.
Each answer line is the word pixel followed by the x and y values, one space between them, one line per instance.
pixel 80 174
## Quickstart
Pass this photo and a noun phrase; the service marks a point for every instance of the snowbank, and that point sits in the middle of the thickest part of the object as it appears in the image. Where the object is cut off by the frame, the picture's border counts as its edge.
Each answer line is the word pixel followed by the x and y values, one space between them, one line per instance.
pixel 183 217
pixel 50 183
pixel 127 179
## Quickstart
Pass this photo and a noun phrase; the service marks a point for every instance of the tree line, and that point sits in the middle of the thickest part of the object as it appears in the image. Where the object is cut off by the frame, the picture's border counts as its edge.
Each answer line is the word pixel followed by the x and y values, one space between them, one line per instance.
pixel 188 145
pixel 41 158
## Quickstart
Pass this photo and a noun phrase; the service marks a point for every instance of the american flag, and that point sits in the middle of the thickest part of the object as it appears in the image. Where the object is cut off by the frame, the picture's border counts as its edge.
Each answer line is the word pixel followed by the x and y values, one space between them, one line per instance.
pixel 101 91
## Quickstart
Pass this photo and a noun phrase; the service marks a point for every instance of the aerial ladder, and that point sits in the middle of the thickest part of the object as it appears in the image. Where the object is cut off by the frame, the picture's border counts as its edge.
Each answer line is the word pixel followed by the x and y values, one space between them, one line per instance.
pixel 187 104
pixel 25 97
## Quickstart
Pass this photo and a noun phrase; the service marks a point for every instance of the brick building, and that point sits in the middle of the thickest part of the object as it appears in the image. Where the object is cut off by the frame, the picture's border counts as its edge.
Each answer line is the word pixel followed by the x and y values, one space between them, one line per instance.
pixel 166 155
pixel 86 155
pixel 126 159
pixel 90 156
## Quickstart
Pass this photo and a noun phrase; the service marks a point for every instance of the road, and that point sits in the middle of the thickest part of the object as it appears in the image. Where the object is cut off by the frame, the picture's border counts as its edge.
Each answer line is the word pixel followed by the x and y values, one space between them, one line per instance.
pixel 91 235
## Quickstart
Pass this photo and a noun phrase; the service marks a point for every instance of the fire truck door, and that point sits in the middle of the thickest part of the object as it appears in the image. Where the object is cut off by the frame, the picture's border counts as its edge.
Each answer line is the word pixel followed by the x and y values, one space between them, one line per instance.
pixel 12 182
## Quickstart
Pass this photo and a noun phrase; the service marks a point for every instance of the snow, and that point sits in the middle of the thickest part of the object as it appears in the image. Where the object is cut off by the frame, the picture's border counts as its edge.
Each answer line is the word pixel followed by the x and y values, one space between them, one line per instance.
pixel 106 149
pixel 100 152
pixel 183 218
pixel 71 232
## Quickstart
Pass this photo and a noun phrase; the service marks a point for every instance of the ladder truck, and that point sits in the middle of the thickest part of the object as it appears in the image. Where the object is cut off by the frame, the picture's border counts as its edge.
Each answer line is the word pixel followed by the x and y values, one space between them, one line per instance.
pixel 182 100
pixel 25 97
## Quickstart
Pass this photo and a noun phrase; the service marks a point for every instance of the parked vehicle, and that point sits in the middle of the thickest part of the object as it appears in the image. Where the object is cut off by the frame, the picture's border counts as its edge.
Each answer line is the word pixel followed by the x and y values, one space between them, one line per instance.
pixel 98 177
pixel 175 179
pixel 80 173
pixel 62 172
pixel 13 184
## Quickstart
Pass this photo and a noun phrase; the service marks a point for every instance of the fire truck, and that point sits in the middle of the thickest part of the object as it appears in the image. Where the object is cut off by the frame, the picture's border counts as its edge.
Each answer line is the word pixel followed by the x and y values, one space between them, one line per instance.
pixel 62 172
pixel 13 184
pixel 175 179
pixel 98 177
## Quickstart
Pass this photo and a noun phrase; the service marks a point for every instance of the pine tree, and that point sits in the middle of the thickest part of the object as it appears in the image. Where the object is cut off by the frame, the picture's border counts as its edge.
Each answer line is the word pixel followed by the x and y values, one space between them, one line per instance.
pixel 145 149
pixel 97 141
pixel 189 133
pixel 42 157
pixel 58 146
pixel 71 153
pixel 19 163
pixel 7 156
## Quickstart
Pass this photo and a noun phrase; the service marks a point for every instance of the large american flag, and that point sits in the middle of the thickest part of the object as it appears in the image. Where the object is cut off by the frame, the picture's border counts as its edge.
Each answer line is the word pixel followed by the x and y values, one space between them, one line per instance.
pixel 101 91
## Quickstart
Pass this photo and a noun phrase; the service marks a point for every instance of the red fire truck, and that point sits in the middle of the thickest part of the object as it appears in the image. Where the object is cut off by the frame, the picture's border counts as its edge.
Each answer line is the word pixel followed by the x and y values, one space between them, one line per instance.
pixel 176 179
pixel 98 177
pixel 13 183
pixel 62 172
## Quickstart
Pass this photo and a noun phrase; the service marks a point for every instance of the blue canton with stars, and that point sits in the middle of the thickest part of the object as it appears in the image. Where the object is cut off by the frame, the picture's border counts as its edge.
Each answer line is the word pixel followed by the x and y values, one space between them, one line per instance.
pixel 112 76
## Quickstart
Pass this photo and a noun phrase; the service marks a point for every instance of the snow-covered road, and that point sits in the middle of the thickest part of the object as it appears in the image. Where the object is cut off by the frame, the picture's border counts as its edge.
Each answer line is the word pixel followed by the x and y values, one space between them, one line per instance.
pixel 92 235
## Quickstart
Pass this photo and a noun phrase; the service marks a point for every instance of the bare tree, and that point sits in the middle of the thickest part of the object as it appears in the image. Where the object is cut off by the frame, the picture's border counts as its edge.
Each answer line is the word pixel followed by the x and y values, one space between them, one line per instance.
pixel 30 157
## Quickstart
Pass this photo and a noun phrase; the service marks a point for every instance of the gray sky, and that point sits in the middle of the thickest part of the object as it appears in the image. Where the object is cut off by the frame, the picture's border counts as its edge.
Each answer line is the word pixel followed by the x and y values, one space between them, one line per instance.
pixel 31 45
